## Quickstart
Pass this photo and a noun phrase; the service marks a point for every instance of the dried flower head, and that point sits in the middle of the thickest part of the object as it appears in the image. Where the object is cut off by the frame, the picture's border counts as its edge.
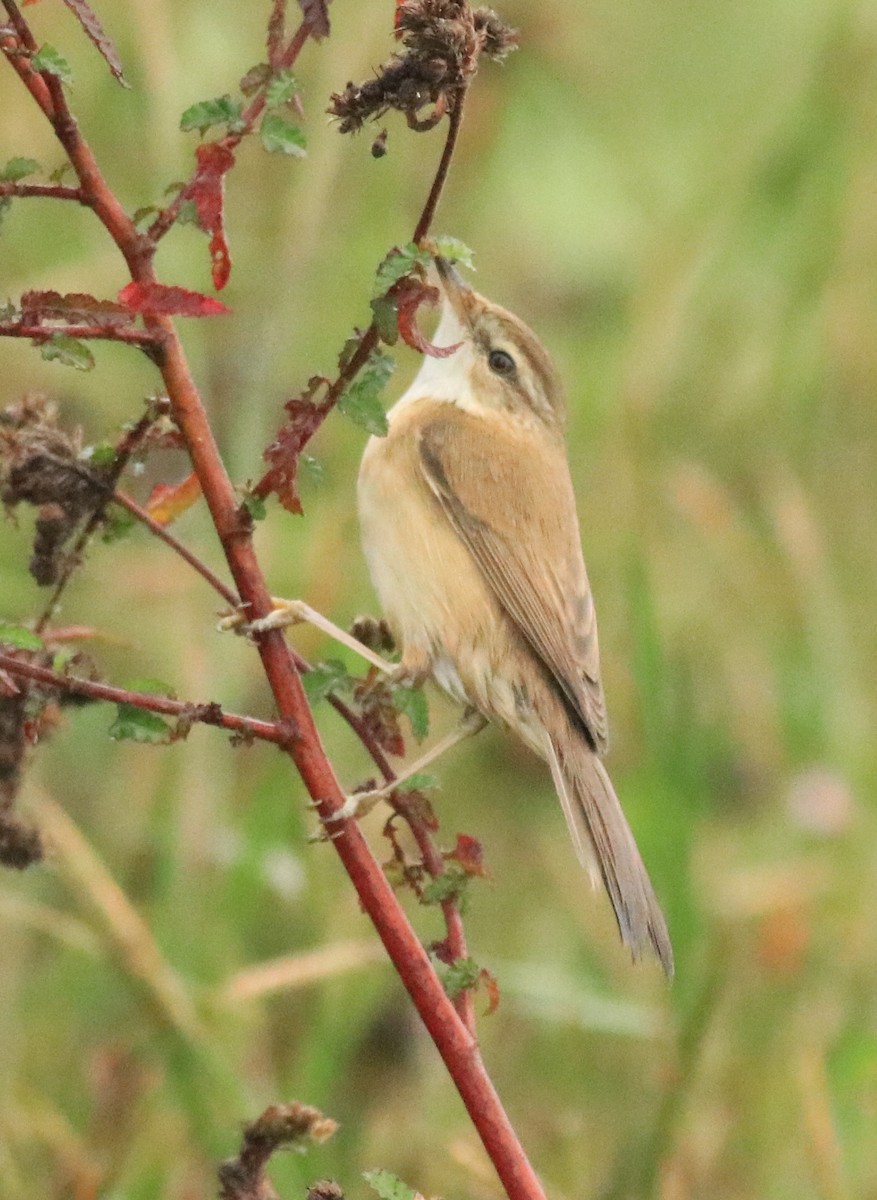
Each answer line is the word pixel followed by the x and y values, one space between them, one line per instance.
pixel 443 41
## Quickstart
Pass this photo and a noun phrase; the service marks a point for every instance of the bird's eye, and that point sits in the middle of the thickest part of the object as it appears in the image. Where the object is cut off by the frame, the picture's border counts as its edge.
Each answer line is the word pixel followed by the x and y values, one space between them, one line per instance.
pixel 501 362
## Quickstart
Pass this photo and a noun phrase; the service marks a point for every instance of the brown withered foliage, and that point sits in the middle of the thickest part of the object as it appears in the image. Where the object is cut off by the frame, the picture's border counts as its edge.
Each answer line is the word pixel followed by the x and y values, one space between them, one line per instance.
pixel 40 465
pixel 281 1125
pixel 20 844
pixel 443 41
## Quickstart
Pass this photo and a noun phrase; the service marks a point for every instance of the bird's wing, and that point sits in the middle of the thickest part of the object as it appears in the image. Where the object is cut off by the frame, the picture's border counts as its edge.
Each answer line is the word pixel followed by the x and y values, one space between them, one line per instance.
pixel 515 511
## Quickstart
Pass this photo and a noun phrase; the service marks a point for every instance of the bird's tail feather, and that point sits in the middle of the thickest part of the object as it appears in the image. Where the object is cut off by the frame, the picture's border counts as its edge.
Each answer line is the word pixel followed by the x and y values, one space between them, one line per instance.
pixel 606 848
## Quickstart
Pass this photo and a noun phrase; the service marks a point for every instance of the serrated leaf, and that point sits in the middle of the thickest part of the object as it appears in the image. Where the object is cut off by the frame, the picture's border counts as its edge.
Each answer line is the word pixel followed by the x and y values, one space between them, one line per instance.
pixel 139 725
pixel 280 136
pixel 454 251
pixel 397 264
pixel 224 110
pixel 48 59
pixel 450 885
pixel 68 351
pixel 159 299
pixel 324 678
pixel 461 975
pixel 414 704
pixel 361 400
pixel 19 168
pixel 20 637
pixel 389 1186
pixel 386 318
pixel 281 89
pixel 90 22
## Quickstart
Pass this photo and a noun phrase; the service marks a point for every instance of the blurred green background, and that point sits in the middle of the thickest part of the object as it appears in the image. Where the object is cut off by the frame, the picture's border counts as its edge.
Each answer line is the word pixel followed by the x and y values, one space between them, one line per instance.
pixel 680 200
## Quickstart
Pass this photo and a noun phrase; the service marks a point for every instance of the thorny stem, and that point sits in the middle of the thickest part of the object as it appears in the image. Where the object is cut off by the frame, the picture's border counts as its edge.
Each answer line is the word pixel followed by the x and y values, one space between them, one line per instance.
pixel 455 1042
pixel 207 714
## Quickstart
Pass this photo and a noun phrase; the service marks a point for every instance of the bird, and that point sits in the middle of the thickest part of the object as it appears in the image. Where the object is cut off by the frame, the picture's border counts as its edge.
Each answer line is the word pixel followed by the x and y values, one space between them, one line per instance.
pixel 471 536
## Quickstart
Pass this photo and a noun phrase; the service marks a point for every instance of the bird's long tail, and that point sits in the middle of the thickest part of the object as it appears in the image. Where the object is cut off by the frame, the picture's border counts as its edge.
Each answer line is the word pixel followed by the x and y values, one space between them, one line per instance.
pixel 606 848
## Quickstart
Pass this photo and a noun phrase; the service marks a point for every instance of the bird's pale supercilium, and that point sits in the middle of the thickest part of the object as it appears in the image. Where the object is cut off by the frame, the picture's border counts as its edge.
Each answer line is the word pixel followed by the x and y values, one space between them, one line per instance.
pixel 472 539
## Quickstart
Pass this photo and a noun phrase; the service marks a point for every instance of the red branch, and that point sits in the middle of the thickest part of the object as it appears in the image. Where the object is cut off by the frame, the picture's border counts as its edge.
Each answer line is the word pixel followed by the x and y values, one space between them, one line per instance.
pixel 52 191
pixel 207 714
pixel 106 333
pixel 456 1044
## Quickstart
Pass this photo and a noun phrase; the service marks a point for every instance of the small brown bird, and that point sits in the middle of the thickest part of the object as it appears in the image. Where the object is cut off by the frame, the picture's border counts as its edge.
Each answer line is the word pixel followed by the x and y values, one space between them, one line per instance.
pixel 470 530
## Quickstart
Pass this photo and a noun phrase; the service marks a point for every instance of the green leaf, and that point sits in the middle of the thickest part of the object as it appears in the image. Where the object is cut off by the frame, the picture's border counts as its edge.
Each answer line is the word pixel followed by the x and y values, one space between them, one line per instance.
pixel 139 725
pixel 450 885
pixel 361 400
pixel 141 214
pixel 48 59
pixel 454 250
pixel 386 316
pixel 399 263
pixel 460 976
pixel 280 136
pixel 224 110
pixel 117 524
pixel 281 89
pixel 324 678
pixel 101 455
pixel 19 168
pixel 389 1187
pixel 414 704
pixel 255 506
pixel 20 637
pixel 68 351
pixel 420 781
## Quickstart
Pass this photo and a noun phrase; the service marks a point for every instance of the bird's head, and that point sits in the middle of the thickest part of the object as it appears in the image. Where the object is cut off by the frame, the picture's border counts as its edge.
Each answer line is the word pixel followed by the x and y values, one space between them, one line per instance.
pixel 499 365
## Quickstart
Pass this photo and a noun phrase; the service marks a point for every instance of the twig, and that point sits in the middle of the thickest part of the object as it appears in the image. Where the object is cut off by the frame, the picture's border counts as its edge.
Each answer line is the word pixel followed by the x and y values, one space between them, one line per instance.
pixel 105 333
pixel 52 191
pixel 205 714
pixel 166 218
pixel 164 534
pixel 129 444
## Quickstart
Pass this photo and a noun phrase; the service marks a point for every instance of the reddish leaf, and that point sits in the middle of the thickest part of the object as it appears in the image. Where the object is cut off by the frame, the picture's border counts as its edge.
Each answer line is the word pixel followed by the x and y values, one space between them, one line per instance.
pixel 156 300
pixel 443 952
pixel 316 14
pixel 90 22
pixel 207 190
pixel 284 452
pixel 168 501
pixel 74 307
pixel 487 980
pixel 469 854
pixel 408 294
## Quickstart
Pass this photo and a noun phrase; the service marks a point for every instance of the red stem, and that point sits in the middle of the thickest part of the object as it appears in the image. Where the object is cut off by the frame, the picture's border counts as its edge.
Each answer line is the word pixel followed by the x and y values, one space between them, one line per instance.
pixel 52 191
pixel 206 714
pixel 107 333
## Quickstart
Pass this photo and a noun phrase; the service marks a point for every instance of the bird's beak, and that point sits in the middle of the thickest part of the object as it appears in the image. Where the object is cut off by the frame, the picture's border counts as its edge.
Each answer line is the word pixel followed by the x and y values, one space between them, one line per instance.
pixel 460 296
